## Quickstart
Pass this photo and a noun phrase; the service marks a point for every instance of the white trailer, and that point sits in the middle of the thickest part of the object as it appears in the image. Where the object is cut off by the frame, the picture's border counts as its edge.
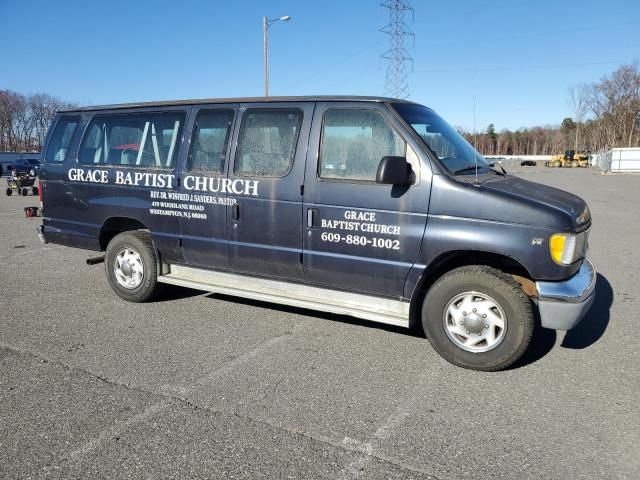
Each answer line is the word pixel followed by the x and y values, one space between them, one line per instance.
pixel 623 160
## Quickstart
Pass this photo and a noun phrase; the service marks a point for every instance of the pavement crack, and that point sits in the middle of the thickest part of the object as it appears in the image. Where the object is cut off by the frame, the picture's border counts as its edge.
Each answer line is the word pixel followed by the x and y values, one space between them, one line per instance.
pixel 230 365
pixel 116 430
pixel 166 399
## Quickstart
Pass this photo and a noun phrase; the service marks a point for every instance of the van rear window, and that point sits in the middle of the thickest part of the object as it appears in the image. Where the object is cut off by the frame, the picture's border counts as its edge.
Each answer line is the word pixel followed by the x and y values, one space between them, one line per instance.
pixel 60 140
pixel 142 140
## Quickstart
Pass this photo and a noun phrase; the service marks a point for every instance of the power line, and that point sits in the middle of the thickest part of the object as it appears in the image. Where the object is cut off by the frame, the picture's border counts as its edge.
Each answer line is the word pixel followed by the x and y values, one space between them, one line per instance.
pixel 396 84
pixel 516 67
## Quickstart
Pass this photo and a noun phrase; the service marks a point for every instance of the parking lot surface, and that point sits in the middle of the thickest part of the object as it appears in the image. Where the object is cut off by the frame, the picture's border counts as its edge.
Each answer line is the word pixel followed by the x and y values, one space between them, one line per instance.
pixel 206 386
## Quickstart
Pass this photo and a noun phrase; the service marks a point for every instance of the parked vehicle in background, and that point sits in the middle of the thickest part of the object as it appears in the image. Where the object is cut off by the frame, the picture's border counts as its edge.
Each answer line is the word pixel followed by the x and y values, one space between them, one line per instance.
pixel 35 166
pixel 28 166
pixel 22 162
pixel 571 158
pixel 365 206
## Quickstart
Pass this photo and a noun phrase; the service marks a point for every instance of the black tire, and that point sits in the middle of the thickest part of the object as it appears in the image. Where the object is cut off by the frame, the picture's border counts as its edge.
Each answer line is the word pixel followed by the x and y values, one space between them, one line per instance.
pixel 24 192
pixel 140 242
pixel 557 164
pixel 506 292
pixel 9 191
pixel 34 190
pixel 574 164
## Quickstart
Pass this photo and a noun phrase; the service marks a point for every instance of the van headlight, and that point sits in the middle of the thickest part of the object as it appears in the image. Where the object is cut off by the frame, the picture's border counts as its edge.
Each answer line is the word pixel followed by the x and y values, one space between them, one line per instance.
pixel 584 217
pixel 562 247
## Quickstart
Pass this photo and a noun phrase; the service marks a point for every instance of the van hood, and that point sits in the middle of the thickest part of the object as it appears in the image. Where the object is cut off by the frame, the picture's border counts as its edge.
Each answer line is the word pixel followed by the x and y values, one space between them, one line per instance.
pixel 519 190
pixel 508 199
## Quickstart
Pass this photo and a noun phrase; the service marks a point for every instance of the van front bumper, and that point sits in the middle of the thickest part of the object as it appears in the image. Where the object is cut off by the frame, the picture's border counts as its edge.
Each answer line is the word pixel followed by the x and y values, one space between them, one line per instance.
pixel 563 304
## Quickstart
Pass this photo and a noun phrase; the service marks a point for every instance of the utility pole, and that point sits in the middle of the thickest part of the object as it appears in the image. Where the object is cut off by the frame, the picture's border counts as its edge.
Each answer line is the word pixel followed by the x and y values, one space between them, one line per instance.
pixel 396 84
pixel 266 23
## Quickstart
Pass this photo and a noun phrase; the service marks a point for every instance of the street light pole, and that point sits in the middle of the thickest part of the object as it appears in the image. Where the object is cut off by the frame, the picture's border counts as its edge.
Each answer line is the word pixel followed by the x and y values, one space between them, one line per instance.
pixel 265 26
pixel 266 23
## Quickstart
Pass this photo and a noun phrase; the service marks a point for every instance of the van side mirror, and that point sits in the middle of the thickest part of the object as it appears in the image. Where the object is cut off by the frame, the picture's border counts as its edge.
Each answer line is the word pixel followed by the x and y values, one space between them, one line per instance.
pixel 393 171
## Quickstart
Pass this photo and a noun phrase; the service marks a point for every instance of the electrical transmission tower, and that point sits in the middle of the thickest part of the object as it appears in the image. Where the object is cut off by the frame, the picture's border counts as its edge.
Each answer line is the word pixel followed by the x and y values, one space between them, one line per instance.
pixel 396 84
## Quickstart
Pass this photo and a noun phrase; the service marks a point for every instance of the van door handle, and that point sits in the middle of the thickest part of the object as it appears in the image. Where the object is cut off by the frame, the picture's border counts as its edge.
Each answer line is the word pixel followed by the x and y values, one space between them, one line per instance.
pixel 235 212
pixel 312 215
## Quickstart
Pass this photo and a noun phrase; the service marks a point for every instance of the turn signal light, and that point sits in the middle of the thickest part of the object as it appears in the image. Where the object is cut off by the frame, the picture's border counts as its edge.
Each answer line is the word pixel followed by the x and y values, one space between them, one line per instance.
pixel 562 247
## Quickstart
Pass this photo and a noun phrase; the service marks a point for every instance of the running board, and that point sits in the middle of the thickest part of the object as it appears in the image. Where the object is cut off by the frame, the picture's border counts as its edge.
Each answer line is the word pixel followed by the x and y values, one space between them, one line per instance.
pixel 392 312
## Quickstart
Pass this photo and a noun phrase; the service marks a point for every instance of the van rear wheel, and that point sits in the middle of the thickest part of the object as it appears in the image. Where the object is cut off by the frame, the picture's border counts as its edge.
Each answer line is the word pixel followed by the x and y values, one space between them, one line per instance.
pixel 132 266
pixel 478 317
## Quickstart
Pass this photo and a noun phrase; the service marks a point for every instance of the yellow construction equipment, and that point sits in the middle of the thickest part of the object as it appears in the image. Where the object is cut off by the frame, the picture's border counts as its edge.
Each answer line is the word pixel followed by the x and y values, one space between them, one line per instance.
pixel 571 158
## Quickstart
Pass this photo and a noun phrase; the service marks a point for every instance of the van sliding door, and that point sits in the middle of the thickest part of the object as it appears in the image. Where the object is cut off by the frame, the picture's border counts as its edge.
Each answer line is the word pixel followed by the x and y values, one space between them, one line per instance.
pixel 204 224
pixel 265 189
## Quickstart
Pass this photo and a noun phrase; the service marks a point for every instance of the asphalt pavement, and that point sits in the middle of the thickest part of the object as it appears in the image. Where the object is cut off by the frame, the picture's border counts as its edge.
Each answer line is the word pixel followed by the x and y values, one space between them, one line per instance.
pixel 208 386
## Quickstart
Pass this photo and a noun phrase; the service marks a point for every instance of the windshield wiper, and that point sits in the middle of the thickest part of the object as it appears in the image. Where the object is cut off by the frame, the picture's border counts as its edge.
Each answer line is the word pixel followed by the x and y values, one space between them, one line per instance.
pixel 467 169
pixel 492 167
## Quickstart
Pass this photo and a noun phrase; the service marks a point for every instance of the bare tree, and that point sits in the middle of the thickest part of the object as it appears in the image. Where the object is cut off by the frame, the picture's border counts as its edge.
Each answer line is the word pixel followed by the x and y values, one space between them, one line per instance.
pixel 43 108
pixel 614 102
pixel 578 104
pixel 24 120
pixel 604 116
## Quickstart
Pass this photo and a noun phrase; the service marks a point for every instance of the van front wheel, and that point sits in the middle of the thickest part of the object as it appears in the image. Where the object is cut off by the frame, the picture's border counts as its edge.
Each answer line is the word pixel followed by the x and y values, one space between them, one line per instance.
pixel 132 266
pixel 478 317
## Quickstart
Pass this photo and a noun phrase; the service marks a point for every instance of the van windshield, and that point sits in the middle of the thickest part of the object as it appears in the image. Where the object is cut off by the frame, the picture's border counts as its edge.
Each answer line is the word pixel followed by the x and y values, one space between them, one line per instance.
pixel 453 151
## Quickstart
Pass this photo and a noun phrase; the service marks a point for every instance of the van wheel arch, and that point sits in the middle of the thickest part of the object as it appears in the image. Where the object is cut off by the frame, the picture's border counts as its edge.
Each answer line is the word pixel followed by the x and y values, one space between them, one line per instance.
pixel 114 225
pixel 451 260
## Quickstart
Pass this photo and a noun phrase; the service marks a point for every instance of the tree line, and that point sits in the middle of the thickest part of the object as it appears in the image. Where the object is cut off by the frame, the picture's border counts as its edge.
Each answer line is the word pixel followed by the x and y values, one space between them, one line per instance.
pixel 606 114
pixel 24 119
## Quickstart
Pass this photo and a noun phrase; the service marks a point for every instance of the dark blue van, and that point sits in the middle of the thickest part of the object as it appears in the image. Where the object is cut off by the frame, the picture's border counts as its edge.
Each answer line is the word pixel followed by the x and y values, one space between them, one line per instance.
pixel 363 206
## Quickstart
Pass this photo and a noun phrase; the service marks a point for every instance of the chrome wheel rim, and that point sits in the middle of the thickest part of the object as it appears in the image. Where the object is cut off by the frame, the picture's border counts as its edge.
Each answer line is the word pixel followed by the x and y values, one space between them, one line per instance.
pixel 474 322
pixel 128 268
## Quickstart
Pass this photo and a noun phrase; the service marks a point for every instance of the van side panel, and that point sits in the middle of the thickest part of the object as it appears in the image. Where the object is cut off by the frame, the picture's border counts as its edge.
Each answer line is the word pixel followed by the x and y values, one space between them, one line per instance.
pixel 79 199
pixel 462 218
pixel 61 224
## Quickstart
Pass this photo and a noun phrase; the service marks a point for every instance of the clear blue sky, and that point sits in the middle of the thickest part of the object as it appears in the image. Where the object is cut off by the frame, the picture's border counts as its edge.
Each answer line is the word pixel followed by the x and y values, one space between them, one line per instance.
pixel 516 57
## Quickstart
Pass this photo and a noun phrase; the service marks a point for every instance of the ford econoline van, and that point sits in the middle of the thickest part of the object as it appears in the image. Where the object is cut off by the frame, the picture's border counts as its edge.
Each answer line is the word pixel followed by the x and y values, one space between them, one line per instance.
pixel 363 206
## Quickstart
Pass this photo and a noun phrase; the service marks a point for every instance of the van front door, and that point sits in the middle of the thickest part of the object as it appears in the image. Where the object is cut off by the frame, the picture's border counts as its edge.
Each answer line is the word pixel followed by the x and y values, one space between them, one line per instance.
pixel 264 216
pixel 359 235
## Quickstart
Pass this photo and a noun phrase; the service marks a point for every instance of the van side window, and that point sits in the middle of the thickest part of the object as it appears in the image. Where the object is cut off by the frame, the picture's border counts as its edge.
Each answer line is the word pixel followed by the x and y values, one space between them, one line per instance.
pixel 143 140
pixel 210 139
pixel 353 143
pixel 60 140
pixel 267 142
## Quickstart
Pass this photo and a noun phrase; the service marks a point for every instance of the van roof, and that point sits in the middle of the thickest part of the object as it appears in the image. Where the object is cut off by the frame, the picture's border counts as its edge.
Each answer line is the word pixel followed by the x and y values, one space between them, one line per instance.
pixel 311 98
